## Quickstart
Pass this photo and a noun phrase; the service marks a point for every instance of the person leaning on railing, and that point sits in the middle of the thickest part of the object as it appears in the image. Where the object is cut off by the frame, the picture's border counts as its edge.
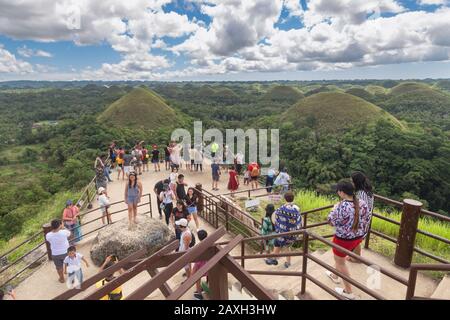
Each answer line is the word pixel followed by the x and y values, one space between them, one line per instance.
pixel 350 217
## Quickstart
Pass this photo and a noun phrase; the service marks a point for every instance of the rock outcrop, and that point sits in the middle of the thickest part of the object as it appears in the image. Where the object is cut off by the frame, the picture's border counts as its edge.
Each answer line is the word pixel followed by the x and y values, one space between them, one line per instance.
pixel 118 240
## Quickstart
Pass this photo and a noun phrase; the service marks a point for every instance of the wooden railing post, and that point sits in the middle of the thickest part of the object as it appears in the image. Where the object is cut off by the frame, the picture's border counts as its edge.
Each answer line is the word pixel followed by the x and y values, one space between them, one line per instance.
pixel 200 200
pixel 47 228
pixel 411 284
pixel 150 205
pixel 242 254
pixel 226 216
pixel 407 234
pixel 89 206
pixel 218 282
pixel 304 261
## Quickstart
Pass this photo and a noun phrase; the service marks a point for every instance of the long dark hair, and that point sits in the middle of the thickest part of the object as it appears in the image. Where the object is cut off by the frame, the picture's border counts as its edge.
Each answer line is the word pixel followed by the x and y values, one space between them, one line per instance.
pixel 362 183
pixel 348 188
pixel 270 209
pixel 135 180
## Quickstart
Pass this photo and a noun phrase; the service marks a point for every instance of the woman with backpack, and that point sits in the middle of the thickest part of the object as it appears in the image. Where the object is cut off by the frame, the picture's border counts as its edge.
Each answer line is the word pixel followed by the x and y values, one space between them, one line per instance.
pixel 350 217
pixel 267 227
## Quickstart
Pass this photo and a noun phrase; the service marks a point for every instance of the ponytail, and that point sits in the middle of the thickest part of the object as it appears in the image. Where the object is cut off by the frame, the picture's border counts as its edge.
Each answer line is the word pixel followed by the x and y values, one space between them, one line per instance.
pixel 356 218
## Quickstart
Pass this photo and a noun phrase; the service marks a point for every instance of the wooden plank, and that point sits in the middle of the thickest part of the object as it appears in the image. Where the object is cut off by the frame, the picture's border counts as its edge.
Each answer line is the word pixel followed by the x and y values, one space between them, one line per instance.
pixel 131 273
pixel 143 291
pixel 165 288
pixel 101 275
pixel 246 279
pixel 206 268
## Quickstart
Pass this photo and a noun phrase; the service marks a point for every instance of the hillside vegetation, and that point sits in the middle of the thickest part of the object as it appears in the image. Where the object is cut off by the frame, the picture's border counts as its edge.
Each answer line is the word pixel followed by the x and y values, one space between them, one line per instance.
pixel 331 112
pixel 140 108
pixel 283 93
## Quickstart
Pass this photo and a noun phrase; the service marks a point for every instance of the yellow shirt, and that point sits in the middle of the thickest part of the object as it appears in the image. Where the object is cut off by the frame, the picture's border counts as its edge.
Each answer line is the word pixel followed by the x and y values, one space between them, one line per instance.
pixel 117 290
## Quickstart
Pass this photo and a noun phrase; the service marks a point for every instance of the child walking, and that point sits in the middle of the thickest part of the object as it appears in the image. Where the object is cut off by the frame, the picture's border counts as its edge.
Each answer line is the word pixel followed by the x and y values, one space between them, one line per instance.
pixel 72 267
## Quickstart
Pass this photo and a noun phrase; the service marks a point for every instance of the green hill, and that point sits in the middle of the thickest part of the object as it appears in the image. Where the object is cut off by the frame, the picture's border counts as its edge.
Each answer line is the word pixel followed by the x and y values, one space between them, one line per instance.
pixel 408 87
pixel 140 108
pixel 318 90
pixel 332 112
pixel 376 90
pixel 206 92
pixel 283 93
pixel 443 85
pixel 361 93
pixel 226 95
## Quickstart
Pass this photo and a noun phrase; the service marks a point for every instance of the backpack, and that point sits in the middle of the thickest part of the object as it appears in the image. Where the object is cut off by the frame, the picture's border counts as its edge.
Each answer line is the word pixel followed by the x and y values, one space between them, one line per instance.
pixel 192 241
pixel 255 172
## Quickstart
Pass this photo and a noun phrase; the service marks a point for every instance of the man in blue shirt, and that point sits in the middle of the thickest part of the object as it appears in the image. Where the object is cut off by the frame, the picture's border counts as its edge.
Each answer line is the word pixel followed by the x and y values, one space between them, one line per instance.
pixel 215 168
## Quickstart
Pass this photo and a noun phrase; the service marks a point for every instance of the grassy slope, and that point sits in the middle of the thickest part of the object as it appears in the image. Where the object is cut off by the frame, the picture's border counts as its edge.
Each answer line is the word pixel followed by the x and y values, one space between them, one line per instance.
pixel 283 93
pixel 335 111
pixel 139 108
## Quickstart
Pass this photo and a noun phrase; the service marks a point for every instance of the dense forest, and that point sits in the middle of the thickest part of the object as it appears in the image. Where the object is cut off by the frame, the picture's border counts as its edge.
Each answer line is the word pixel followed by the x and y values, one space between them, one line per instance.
pixel 396 132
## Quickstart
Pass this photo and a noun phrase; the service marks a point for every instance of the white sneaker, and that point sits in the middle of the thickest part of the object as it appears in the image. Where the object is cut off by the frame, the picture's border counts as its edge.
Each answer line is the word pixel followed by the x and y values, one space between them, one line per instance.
pixel 349 296
pixel 333 277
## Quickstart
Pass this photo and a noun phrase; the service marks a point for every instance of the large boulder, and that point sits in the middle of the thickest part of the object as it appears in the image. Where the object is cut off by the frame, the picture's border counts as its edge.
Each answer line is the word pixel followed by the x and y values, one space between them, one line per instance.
pixel 118 240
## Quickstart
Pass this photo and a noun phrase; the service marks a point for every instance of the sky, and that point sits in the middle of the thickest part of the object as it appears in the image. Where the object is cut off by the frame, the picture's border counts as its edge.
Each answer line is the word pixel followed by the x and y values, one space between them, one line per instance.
pixel 229 40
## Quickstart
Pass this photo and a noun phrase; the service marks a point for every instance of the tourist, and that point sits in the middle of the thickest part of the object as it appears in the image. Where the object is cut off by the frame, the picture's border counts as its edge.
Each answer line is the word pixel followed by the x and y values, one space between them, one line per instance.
pixel 70 218
pixel 233 182
pixel 127 162
pixel 167 157
pixel 133 194
pixel 117 293
pixel 155 158
pixel 77 234
pixel 58 238
pixel 8 294
pixel 350 217
pixel 215 169
pixel 267 227
pixel 239 162
pixel 287 218
pixel 167 197
pixel 363 191
pixel 104 203
pixel 191 203
pixel 225 158
pixel 254 170
pixel 214 149
pixel 179 212
pixel 283 180
pixel 270 179
pixel 185 238
pixel 137 157
pixel 198 155
pixel 191 158
pixel 72 267
pixel 175 160
pixel 246 177
pixel 100 178
pixel 112 153
pixel 202 234
pixel 106 168
pixel 158 188
pixel 145 157
pixel 180 187
pixel 120 164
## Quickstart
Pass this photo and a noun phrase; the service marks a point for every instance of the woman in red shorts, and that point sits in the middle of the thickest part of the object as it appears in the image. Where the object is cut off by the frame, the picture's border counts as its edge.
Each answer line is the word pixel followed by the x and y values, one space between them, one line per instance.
pixel 350 217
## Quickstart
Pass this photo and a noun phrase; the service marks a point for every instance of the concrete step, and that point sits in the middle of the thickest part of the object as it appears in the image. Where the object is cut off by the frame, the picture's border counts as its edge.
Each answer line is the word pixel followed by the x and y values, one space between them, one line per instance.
pixel 443 289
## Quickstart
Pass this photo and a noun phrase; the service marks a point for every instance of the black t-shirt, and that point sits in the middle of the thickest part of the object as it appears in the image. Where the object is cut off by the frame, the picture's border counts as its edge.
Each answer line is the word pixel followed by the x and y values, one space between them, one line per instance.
pixel 155 154
pixel 167 152
pixel 159 186
pixel 191 202
pixel 181 192
pixel 180 214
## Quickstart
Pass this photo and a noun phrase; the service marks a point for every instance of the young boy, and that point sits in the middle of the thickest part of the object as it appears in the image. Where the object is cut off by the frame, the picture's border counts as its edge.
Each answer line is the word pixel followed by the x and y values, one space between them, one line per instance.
pixel 72 267
pixel 202 234
pixel 246 177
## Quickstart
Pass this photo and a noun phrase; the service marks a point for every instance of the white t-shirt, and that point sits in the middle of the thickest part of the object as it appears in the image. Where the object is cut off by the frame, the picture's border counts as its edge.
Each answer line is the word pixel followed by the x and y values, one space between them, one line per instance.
pixel 73 264
pixel 103 201
pixel 240 158
pixel 59 242
pixel 168 196
pixel 283 179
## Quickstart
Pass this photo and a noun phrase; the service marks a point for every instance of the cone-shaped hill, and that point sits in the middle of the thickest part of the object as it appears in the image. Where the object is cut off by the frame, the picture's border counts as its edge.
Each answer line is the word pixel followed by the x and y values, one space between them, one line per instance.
pixel 140 108
pixel 283 93
pixel 333 112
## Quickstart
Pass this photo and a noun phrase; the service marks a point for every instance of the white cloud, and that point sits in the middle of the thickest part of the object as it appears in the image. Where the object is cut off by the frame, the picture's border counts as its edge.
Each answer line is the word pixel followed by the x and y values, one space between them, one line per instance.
pixel 28 53
pixel 9 63
pixel 433 2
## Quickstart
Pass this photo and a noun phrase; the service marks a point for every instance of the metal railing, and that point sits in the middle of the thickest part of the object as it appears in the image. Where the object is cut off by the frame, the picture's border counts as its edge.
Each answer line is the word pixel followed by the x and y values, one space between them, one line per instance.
pixel 20 259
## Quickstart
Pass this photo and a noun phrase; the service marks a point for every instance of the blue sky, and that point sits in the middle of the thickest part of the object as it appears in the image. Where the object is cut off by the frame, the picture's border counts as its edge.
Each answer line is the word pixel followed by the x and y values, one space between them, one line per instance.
pixel 224 40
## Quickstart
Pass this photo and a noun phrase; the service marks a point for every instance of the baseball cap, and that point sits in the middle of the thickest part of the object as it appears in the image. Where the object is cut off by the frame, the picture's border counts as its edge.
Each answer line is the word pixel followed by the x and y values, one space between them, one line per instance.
pixel 69 203
pixel 101 190
pixel 182 222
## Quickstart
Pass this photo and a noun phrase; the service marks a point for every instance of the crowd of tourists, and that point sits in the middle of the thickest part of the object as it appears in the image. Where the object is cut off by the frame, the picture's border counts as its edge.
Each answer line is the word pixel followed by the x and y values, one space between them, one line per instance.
pixel 177 204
